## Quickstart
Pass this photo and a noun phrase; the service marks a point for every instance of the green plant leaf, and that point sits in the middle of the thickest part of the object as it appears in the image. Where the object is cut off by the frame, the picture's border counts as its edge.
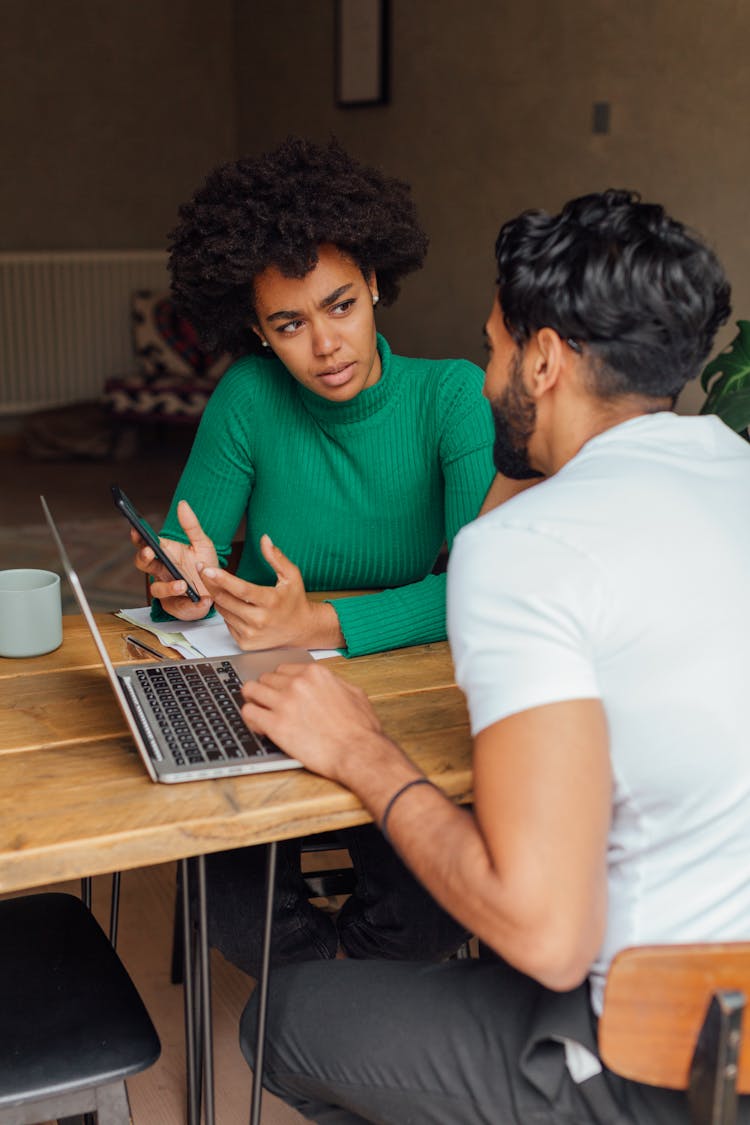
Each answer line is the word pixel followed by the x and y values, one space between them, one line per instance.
pixel 728 395
pixel 734 359
pixel 733 410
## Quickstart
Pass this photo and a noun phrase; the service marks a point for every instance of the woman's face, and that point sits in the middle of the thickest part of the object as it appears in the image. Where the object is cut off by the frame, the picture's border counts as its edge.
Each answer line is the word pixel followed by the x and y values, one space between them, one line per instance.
pixel 321 326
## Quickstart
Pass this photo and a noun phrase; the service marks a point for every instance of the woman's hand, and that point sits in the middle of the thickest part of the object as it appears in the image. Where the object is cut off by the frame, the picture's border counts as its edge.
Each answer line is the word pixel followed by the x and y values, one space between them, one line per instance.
pixel 271 616
pixel 188 558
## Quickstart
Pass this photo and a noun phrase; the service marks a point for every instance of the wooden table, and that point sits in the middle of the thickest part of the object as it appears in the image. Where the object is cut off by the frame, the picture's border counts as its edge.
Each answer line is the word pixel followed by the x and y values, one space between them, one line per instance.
pixel 75 799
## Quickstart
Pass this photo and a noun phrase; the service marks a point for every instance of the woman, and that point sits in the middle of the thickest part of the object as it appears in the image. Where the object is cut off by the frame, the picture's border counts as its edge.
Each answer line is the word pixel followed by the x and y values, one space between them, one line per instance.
pixel 350 467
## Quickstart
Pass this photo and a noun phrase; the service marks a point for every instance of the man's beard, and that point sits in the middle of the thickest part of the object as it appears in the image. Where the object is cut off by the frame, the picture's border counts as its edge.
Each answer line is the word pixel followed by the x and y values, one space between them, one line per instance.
pixel 514 414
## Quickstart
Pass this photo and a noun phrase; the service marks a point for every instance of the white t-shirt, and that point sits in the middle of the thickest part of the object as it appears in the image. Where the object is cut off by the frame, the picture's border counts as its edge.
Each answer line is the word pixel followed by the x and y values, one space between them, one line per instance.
pixel 626 577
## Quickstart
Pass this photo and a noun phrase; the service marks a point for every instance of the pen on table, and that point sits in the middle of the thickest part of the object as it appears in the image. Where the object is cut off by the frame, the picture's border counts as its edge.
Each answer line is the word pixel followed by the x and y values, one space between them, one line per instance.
pixel 144 646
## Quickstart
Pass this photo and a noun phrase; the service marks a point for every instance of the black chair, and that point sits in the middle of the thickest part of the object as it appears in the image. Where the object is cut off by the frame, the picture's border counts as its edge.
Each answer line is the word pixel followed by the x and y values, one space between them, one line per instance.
pixel 72 1025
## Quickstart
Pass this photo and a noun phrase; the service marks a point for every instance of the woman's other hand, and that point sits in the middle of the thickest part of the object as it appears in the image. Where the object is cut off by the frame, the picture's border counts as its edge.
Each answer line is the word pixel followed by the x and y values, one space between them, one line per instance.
pixel 189 558
pixel 270 616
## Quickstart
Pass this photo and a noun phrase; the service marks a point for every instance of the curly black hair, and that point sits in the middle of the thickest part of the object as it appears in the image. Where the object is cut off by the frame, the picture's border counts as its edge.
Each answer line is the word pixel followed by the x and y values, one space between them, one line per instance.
pixel 633 288
pixel 277 209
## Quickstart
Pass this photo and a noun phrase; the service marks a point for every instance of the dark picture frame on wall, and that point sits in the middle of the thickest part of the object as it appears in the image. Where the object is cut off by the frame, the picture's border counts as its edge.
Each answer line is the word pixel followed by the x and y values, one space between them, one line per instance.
pixel 362 53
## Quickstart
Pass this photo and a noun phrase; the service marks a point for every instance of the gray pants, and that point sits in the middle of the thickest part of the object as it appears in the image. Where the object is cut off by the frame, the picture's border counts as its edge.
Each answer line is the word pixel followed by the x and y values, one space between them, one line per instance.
pixel 389 915
pixel 457 1043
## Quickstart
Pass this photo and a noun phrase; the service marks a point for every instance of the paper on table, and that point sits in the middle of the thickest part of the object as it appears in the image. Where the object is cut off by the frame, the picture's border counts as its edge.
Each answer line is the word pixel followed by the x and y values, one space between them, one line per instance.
pixel 142 618
pixel 207 637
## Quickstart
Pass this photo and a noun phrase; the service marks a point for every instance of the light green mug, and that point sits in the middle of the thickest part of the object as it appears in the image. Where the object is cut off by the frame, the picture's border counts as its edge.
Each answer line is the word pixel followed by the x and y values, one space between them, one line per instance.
pixel 30 612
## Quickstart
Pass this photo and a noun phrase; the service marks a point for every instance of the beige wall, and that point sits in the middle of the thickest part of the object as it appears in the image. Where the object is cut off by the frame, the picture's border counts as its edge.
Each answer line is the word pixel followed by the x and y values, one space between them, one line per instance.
pixel 491 112
pixel 110 110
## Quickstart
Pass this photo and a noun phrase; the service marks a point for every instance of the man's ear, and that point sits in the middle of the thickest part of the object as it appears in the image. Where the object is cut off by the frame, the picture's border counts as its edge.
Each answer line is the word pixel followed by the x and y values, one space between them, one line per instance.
pixel 547 354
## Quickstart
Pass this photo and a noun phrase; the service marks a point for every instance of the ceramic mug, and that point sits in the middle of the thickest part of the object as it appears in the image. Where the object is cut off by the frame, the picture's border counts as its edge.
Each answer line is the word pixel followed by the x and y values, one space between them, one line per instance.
pixel 30 612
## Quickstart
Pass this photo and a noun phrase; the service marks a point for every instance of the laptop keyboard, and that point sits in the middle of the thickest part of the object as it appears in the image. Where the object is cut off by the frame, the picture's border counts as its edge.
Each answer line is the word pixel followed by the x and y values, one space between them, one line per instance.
pixel 196 708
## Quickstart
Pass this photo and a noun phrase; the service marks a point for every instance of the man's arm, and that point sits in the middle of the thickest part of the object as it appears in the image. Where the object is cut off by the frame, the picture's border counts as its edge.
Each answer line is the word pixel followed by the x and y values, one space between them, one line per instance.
pixel 527 872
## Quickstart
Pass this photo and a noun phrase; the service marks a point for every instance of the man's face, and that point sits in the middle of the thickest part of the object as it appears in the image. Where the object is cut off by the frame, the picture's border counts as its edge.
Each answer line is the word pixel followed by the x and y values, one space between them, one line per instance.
pixel 513 408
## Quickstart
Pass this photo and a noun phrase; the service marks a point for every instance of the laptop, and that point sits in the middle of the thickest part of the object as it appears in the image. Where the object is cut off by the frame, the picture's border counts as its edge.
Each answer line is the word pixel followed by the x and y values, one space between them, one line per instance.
pixel 184 715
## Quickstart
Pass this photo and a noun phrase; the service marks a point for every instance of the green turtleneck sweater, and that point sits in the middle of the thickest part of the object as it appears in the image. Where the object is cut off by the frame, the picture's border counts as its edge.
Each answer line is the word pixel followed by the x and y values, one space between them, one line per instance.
pixel 359 494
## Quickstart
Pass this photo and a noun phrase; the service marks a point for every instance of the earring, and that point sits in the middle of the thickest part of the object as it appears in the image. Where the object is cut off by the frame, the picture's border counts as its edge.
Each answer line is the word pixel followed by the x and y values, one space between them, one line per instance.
pixel 375 298
pixel 264 343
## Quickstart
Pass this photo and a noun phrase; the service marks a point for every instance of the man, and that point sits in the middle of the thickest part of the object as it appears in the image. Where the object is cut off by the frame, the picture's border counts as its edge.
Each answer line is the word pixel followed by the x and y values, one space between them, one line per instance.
pixel 599 626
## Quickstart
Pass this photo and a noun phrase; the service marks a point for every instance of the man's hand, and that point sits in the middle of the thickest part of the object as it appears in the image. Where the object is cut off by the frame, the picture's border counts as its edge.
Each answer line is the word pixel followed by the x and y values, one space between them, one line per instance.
pixel 325 723
pixel 270 616
pixel 188 558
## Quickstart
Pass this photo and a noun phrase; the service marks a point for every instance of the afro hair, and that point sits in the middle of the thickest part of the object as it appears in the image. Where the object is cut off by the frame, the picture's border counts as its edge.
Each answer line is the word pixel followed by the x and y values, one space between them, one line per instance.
pixel 276 210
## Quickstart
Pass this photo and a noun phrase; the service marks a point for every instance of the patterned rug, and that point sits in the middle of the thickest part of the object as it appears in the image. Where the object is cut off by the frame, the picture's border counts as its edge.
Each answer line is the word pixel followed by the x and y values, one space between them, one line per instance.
pixel 100 551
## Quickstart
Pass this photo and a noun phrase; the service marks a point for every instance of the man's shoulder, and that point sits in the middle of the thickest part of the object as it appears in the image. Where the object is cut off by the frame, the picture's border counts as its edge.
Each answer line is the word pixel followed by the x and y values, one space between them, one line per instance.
pixel 507 537
pixel 669 433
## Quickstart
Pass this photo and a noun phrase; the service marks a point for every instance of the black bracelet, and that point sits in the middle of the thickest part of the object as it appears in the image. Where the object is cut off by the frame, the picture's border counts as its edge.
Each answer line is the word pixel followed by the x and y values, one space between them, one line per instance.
pixel 395 797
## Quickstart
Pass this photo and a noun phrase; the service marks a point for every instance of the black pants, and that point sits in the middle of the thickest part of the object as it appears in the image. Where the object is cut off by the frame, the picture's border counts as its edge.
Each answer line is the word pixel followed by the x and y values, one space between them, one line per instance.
pixel 389 915
pixel 459 1043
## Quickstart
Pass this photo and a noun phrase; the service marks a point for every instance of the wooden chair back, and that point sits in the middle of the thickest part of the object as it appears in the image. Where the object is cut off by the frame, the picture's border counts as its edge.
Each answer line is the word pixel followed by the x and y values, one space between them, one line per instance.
pixel 655 1006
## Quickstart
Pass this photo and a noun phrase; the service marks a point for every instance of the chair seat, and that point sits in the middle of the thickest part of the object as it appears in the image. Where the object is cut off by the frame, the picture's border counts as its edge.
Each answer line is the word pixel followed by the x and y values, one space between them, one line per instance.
pixel 70 1016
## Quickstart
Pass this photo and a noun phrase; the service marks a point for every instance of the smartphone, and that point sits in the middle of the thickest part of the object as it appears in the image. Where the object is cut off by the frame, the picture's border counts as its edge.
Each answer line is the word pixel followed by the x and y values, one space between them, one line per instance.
pixel 147 534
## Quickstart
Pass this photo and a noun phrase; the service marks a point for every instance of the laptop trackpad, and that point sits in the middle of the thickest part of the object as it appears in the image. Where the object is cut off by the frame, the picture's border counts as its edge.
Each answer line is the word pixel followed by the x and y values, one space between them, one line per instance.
pixel 251 665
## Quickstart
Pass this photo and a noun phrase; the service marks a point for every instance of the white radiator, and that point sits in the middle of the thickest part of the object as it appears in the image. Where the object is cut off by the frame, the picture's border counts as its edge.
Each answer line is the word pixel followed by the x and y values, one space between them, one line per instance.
pixel 65 322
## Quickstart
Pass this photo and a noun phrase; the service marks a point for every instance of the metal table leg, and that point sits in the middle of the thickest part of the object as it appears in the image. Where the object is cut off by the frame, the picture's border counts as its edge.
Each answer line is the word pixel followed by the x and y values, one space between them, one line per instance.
pixel 205 995
pixel 197 995
pixel 260 1033
pixel 193 1100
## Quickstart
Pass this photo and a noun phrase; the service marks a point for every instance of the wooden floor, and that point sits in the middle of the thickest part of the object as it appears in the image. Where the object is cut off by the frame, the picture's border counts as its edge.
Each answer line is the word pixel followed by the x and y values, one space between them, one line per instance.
pixel 157 1096
pixel 79 489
